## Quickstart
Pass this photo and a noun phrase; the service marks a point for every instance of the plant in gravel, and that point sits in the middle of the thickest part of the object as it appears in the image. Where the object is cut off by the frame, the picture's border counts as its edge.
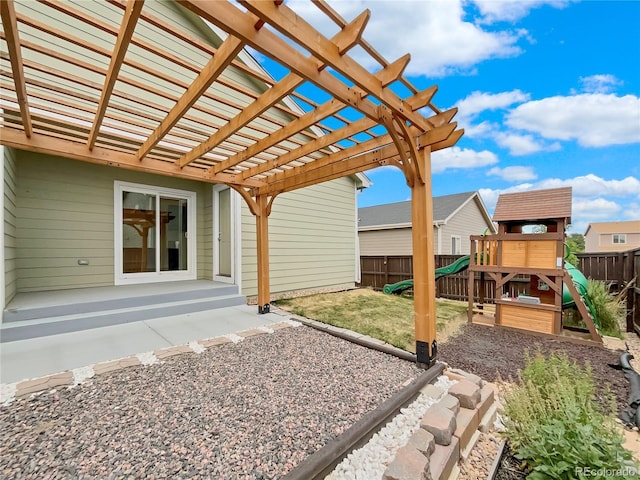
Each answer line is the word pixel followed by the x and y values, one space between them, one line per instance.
pixel 610 310
pixel 555 425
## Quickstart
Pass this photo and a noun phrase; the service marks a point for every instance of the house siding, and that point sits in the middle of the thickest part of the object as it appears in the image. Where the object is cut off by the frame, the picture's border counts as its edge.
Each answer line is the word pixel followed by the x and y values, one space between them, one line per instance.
pixel 396 241
pixel 591 241
pixel 606 242
pixel 603 242
pixel 466 222
pixel 9 223
pixel 312 237
pixel 65 212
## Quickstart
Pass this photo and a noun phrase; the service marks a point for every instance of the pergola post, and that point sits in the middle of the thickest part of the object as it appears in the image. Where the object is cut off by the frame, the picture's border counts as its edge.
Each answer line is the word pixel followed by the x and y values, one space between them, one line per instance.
pixel 262 234
pixel 424 284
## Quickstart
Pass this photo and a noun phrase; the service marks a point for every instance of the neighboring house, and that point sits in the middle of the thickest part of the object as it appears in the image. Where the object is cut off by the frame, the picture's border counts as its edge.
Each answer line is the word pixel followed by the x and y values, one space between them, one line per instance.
pixel 612 236
pixel 71 224
pixel 386 229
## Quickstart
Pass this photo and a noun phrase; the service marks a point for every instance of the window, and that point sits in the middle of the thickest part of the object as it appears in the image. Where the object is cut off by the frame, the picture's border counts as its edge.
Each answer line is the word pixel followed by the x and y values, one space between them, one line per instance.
pixel 456 245
pixel 619 238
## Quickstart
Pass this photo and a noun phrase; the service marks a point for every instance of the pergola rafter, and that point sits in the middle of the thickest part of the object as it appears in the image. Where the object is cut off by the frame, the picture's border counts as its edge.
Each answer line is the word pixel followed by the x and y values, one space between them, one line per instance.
pixel 126 88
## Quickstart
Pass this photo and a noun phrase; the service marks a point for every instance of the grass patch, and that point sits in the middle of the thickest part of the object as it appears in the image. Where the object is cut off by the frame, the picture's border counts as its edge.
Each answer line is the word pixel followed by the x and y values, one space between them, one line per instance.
pixel 386 317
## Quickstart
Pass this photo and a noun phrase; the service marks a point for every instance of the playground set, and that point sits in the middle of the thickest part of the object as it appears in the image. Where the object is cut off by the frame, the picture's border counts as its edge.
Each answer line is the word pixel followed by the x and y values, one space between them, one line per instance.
pixel 554 286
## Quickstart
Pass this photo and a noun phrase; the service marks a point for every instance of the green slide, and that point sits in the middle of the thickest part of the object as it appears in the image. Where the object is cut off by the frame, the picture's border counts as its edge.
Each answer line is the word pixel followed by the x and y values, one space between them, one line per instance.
pixel 458 266
pixel 580 282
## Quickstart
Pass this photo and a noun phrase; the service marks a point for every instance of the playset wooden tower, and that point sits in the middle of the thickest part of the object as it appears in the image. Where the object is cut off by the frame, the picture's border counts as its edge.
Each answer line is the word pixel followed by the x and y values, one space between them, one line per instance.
pixel 530 241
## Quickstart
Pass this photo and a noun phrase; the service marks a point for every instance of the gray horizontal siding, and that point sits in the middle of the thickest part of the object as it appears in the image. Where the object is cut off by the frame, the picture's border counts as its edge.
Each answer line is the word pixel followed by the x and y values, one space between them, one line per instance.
pixel 311 239
pixel 9 166
pixel 65 213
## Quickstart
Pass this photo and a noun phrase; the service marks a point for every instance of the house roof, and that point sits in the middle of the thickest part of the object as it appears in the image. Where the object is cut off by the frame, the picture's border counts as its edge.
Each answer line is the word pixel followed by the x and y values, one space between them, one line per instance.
pixel 534 205
pixel 632 226
pixel 132 85
pixel 398 214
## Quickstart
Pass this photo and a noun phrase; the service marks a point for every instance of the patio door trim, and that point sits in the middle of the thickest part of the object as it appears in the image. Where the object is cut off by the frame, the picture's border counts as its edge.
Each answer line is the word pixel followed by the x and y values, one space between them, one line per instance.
pixel 190 273
pixel 235 214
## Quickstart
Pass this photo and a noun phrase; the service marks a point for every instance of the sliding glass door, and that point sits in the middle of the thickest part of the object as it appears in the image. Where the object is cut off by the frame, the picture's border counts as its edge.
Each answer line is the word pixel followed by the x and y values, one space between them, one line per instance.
pixel 155 234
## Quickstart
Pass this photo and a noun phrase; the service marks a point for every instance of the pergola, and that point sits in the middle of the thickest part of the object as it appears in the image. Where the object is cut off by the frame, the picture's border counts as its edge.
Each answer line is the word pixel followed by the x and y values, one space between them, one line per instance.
pixel 84 86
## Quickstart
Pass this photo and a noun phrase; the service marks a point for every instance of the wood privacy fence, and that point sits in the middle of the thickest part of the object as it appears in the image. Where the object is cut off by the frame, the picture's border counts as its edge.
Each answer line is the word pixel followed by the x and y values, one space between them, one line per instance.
pixel 377 271
pixel 620 270
pixel 617 269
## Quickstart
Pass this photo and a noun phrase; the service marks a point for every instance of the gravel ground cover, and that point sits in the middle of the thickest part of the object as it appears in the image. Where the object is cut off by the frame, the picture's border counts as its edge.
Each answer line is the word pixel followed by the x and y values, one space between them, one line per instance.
pixel 497 353
pixel 250 410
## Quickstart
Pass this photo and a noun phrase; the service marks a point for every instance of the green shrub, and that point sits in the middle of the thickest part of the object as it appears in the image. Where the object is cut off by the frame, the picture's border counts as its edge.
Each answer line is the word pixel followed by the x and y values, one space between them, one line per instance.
pixel 554 423
pixel 610 310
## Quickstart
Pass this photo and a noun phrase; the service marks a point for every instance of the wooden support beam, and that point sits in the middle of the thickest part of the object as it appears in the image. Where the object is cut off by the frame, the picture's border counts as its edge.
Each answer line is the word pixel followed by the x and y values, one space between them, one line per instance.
pixel 285 20
pixel 504 280
pixel 329 172
pixel 47 145
pixel 386 75
pixel 242 24
pixel 212 70
pixel 10 26
pixel 311 147
pixel 128 25
pixel 380 146
pixel 262 233
pixel 424 283
pixel 269 98
pixel 582 308
pixel 347 38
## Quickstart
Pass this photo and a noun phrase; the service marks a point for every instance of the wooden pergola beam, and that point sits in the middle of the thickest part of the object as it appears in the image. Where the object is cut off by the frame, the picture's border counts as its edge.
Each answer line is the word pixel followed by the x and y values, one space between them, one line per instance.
pixel 346 38
pixel 310 147
pixel 285 20
pixel 262 104
pixel 387 75
pixel 242 24
pixel 332 171
pixel 10 25
pixel 129 21
pixel 212 70
pixel 382 146
pixel 48 145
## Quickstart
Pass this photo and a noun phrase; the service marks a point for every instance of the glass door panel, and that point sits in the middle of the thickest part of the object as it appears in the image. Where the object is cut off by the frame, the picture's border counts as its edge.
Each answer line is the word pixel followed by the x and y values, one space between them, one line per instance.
pixel 138 232
pixel 173 234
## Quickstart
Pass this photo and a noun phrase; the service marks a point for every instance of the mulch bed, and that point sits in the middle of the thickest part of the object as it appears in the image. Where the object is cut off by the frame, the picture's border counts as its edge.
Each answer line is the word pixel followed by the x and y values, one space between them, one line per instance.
pixel 498 353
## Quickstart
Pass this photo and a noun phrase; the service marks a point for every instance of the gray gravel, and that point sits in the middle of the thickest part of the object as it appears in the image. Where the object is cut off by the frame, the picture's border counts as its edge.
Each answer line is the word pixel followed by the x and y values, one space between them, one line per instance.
pixel 251 410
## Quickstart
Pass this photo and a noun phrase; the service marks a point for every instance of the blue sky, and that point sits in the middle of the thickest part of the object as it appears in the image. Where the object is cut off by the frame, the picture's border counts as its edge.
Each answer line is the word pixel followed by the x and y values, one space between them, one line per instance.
pixel 547 91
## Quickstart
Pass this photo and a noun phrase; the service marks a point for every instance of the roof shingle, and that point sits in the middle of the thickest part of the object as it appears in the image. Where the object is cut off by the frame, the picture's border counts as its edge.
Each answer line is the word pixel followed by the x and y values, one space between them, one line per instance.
pixel 534 205
pixel 400 212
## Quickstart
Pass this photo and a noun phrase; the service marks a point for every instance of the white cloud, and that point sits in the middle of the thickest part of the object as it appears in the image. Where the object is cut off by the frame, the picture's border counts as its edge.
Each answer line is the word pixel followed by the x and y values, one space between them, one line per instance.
pixel 593 120
pixel 594 208
pixel 477 102
pixel 599 83
pixel 435 33
pixel 519 144
pixel 512 10
pixel 456 157
pixel 591 185
pixel 632 211
pixel 514 173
